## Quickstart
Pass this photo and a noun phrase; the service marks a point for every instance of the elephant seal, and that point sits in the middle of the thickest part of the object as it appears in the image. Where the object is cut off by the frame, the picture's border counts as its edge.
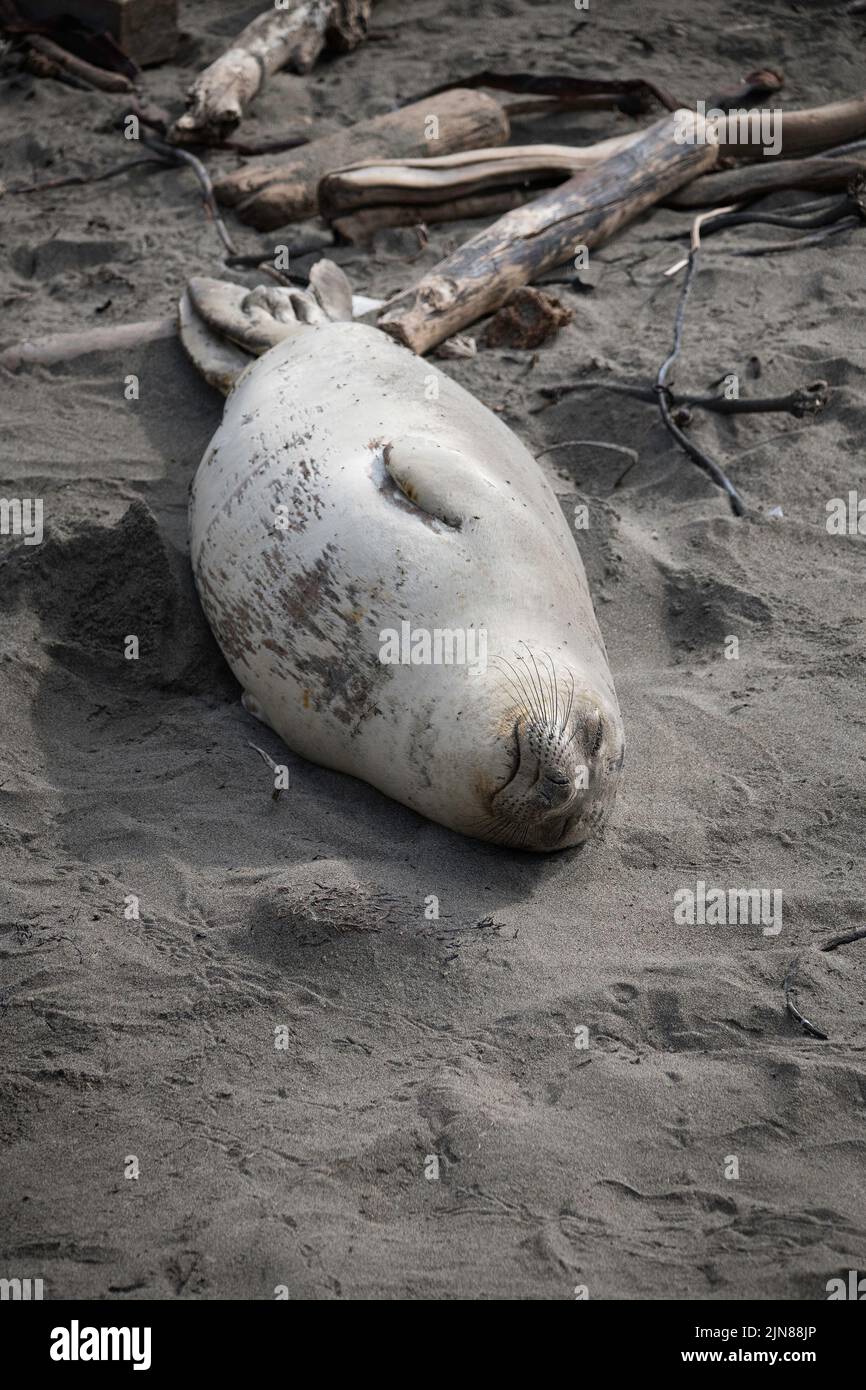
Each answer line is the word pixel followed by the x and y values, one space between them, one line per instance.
pixel 390 576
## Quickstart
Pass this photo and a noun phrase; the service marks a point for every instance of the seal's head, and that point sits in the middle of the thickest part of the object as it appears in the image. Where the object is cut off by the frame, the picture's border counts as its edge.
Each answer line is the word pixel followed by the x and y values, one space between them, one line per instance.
pixel 560 747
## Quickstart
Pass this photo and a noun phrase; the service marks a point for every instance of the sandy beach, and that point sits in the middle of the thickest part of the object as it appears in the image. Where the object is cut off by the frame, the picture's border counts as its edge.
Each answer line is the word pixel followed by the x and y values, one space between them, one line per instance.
pixel 314 1085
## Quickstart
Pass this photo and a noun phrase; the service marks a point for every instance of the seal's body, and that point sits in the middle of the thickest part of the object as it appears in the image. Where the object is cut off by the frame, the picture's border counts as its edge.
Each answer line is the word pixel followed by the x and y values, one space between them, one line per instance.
pixel 393 583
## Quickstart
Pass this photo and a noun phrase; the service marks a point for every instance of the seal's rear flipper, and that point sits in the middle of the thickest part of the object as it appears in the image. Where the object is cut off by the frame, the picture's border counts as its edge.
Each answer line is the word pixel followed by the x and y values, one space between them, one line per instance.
pixel 331 287
pixel 254 320
pixel 215 358
pixel 220 322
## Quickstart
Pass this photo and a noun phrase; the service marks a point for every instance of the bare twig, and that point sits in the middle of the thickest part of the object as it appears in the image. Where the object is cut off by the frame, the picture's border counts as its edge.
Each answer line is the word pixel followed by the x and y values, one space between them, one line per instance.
pixel 805 400
pixel 695 235
pixel 665 401
pixel 804 1022
pixel 71 179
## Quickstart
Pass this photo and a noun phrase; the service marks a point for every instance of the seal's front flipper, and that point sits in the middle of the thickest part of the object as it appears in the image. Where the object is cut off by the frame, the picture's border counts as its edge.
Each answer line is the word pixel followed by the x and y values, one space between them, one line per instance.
pixel 252 706
pixel 440 481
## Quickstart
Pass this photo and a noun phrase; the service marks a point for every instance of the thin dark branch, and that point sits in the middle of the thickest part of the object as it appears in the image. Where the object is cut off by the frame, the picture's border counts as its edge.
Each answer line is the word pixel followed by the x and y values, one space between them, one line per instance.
pixel 817 212
pixel 70 179
pixel 773 248
pixel 836 941
pixel 823 217
pixel 805 400
pixel 174 155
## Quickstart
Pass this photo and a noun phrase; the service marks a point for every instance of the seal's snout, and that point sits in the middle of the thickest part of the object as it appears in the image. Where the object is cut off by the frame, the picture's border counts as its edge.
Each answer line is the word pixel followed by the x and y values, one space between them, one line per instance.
pixel 566 754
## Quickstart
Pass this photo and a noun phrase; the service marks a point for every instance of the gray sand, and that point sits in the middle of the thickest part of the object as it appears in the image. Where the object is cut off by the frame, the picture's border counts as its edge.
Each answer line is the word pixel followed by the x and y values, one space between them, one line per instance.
pixel 407 1038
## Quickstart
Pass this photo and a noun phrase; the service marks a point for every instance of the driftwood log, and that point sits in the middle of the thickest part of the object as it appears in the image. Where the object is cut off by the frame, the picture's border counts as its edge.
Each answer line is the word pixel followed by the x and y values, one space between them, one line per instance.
pixel 585 211
pixel 65 347
pixel 445 178
pixel 803 132
pixel 359 226
pixel 819 174
pixel 59 61
pixel 291 37
pixel 270 195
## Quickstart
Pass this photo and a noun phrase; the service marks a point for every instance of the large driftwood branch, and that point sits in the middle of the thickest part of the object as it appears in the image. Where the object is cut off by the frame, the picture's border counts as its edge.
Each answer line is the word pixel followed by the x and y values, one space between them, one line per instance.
pixel 279 38
pixel 270 195
pixel 523 244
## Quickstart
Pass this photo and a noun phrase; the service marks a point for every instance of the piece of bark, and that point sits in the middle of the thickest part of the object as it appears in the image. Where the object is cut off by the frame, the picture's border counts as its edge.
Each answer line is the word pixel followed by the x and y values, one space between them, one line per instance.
pixel 821 174
pixel 585 211
pixel 64 347
pixel 526 320
pixel 443 178
pixel 278 38
pixel 359 227
pixel 271 195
